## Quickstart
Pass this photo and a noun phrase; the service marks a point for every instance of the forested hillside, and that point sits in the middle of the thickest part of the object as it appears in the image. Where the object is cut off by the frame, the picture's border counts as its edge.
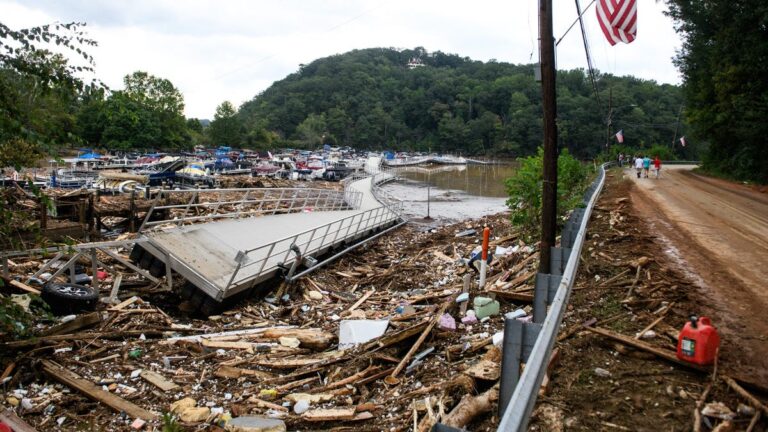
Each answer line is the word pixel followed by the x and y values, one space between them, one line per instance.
pixel 373 98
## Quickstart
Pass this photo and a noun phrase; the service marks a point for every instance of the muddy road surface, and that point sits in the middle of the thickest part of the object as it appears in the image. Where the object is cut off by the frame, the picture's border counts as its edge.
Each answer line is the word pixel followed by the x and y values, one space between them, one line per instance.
pixel 717 231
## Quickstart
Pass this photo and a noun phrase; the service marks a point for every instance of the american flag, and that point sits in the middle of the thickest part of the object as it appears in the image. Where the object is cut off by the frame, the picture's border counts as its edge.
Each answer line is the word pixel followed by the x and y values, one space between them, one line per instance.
pixel 618 20
pixel 620 136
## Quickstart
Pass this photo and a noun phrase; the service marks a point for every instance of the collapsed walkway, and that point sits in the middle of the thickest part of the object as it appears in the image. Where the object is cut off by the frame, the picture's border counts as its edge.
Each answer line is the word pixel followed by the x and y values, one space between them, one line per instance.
pixel 223 258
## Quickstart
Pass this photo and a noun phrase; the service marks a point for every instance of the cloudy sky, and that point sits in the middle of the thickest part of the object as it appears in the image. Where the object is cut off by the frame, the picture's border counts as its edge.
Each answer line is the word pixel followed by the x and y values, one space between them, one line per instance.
pixel 233 49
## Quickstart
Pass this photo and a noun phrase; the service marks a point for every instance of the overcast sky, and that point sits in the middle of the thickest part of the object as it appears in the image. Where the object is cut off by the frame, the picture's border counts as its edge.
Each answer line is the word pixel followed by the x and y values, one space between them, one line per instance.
pixel 234 49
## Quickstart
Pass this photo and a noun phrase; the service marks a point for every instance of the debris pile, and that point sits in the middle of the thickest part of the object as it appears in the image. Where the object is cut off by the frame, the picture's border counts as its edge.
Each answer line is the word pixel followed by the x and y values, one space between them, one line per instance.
pixel 394 336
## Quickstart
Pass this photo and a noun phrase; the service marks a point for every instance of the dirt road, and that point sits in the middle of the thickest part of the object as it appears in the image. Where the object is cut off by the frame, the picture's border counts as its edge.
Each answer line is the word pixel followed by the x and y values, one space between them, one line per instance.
pixel 717 231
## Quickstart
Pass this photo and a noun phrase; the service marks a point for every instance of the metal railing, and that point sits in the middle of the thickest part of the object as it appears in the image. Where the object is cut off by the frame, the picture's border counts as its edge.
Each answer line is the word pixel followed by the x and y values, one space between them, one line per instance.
pixel 252 263
pixel 532 343
pixel 268 257
pixel 181 207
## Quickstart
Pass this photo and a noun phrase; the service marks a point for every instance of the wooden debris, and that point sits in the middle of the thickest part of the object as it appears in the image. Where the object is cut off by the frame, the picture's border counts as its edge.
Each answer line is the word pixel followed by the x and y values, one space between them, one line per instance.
pixel 485 370
pixel 332 414
pixel 316 339
pixel 15 422
pixel 470 407
pixel 22 286
pixel 746 395
pixel 392 379
pixel 125 303
pixel 72 380
pixel 158 380
pixel 225 371
pixel 80 322
pixel 634 343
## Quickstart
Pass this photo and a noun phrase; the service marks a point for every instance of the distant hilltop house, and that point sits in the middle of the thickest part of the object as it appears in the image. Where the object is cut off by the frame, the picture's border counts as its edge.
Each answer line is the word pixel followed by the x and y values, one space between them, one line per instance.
pixel 414 63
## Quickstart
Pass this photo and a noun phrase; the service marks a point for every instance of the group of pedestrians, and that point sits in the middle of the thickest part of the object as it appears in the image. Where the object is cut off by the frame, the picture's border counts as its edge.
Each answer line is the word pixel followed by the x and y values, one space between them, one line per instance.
pixel 643 165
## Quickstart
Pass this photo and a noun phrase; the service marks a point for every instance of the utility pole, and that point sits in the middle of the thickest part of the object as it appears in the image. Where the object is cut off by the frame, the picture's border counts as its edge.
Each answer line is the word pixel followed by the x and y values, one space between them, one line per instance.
pixel 609 120
pixel 549 103
pixel 677 126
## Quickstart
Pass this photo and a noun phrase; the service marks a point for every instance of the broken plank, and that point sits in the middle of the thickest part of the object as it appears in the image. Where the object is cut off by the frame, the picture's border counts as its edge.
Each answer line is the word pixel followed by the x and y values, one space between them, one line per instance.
pixel 124 304
pixel 81 321
pixel 15 422
pixel 518 280
pixel 362 300
pixel 332 414
pixel 158 380
pixel 235 372
pixel 313 338
pixel 23 286
pixel 218 344
pixel 513 296
pixel 74 381
pixel 115 288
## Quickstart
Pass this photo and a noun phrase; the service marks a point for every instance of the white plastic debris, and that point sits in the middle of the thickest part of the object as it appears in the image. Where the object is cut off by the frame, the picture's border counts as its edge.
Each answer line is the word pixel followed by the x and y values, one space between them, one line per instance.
pixel 498 338
pixel 301 406
pixel 355 332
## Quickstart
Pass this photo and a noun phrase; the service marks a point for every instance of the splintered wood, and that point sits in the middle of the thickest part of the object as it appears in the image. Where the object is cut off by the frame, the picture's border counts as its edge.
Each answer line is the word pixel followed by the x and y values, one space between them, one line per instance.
pixel 279 356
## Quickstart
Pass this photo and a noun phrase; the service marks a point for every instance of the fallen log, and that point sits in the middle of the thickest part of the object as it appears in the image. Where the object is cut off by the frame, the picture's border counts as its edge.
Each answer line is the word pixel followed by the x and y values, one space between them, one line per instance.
pixel 310 338
pixel 74 381
pixel 470 407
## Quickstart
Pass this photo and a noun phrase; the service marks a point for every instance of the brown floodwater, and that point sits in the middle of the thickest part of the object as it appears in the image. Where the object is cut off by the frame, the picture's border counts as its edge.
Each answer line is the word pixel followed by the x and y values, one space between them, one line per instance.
pixel 476 180
pixel 452 193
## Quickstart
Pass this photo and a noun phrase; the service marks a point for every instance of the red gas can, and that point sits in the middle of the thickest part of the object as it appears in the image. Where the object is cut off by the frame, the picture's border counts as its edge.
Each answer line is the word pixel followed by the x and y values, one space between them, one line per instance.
pixel 698 341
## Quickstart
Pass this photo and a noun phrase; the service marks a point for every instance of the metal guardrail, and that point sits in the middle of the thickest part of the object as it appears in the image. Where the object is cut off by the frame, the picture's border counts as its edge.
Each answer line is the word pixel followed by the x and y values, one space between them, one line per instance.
pixel 183 206
pixel 533 343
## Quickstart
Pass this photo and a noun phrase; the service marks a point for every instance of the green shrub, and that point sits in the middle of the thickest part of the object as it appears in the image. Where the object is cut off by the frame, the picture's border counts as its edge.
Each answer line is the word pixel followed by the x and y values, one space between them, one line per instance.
pixel 18 323
pixel 524 189
pixel 664 152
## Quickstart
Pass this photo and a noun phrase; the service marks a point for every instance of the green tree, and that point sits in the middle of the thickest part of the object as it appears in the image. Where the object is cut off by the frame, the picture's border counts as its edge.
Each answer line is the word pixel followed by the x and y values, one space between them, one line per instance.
pixel 723 63
pixel 525 189
pixel 38 87
pixel 226 128
pixel 312 130
pixel 147 114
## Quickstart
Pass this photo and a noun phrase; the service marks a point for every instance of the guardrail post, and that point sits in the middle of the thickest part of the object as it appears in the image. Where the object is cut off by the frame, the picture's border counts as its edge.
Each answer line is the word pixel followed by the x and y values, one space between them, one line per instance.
pixel 543 294
pixel 559 257
pixel 512 350
pixel 519 339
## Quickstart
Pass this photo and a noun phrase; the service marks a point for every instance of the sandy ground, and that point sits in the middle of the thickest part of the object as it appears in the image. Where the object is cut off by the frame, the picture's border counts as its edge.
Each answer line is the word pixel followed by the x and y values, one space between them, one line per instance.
pixel 718 232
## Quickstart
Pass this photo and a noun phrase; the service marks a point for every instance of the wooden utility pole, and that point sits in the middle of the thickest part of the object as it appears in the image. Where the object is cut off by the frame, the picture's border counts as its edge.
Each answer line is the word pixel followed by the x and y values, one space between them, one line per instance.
pixel 549 102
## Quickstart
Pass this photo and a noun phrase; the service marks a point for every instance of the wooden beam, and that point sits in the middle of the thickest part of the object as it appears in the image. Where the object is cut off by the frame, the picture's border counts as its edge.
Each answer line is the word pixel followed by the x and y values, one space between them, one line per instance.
pixel 81 321
pixel 74 381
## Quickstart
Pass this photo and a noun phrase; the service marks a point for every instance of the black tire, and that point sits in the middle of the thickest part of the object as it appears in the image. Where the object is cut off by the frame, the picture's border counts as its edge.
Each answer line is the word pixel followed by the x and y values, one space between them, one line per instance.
pixel 157 268
pixel 69 298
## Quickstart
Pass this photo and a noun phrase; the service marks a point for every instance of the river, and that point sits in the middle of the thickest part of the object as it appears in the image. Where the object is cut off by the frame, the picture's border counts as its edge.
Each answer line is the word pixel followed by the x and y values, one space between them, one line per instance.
pixel 456 192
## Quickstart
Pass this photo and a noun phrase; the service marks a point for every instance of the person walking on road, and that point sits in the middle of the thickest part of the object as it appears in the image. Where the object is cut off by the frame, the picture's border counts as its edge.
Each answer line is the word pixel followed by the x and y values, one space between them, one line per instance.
pixel 657 166
pixel 646 165
pixel 638 165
